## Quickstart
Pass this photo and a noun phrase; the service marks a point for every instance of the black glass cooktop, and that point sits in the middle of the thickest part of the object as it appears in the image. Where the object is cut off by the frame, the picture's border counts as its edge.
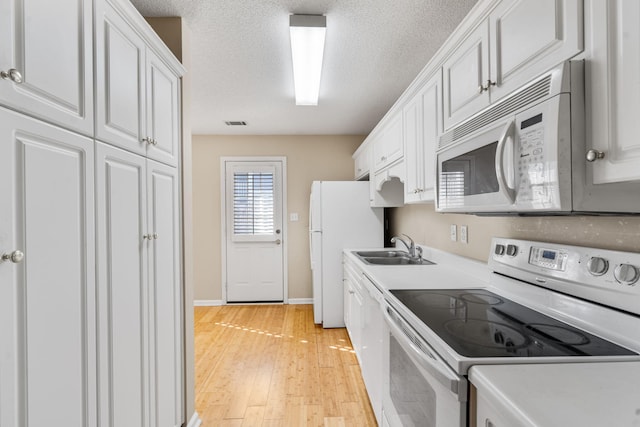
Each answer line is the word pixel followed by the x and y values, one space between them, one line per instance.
pixel 479 323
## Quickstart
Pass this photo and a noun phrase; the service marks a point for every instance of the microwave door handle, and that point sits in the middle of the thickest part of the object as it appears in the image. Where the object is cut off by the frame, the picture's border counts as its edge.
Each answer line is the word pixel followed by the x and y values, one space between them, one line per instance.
pixel 429 362
pixel 507 191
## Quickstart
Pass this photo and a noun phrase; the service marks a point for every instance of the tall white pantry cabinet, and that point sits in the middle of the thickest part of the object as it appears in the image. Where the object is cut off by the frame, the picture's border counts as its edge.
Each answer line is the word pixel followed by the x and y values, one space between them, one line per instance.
pixel 90 259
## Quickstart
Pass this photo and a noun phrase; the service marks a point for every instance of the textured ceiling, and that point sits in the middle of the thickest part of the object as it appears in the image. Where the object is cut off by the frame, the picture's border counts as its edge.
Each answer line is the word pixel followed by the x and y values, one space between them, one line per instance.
pixel 241 60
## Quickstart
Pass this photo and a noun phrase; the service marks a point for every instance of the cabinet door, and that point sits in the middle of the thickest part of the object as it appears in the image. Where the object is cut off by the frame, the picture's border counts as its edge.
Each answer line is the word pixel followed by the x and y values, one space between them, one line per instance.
pixel 613 90
pixel 120 86
pixel 47 301
pixel 122 287
pixel 465 72
pixel 389 147
pixel 165 294
pixel 362 162
pixel 431 118
pixel 163 115
pixel 528 38
pixel 413 151
pixel 50 44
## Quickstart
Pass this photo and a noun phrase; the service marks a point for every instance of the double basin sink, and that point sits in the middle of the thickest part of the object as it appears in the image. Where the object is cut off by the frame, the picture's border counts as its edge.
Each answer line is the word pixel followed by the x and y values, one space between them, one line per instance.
pixel 390 257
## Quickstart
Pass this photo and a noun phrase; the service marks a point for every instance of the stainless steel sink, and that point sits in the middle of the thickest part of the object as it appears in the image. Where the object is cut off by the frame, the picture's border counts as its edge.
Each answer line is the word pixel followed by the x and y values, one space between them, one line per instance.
pixel 390 257
pixel 382 254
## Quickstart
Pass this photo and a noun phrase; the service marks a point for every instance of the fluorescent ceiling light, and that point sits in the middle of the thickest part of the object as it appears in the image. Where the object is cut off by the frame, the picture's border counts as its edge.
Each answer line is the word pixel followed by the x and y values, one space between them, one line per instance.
pixel 307 48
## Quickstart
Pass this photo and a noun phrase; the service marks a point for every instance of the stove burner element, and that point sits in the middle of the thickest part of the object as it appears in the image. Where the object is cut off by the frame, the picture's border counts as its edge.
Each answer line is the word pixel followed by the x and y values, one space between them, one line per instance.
pixel 477 298
pixel 486 334
pixel 558 334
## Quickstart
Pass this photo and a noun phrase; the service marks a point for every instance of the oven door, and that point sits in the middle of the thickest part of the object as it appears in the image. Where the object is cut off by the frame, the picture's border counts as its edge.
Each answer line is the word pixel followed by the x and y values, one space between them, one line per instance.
pixel 419 389
pixel 477 174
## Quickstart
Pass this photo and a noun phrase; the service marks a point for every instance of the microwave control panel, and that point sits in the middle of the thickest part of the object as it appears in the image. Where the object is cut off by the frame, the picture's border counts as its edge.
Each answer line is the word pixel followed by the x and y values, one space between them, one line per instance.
pixel 530 162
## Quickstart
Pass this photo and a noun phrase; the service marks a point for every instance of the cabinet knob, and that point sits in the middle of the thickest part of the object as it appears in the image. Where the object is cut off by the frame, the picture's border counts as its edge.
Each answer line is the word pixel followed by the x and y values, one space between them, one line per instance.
pixel 13 75
pixel 486 86
pixel 593 155
pixel 15 257
pixel 149 140
pixel 146 236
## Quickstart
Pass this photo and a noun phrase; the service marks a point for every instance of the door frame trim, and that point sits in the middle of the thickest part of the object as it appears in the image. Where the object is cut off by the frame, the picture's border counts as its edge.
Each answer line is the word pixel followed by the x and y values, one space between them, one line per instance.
pixel 223 220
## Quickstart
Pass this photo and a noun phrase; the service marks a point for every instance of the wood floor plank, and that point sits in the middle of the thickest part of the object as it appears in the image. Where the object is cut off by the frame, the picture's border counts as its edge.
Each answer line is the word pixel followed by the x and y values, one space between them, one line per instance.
pixel 270 365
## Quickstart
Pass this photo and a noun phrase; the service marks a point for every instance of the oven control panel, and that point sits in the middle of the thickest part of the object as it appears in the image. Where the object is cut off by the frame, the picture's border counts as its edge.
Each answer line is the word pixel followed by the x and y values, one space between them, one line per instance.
pixel 548 258
pixel 608 277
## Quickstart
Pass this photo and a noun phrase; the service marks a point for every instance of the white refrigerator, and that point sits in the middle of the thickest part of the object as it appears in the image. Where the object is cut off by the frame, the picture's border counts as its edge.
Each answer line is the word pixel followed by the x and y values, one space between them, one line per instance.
pixel 340 216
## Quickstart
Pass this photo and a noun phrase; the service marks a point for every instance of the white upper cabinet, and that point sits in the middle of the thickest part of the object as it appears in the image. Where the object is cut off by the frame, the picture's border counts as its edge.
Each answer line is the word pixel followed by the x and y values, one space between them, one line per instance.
pixel 137 93
pixel 465 74
pixel 613 90
pixel 518 41
pixel 362 161
pixel 388 145
pixel 46 60
pixel 163 116
pixel 422 127
pixel 529 37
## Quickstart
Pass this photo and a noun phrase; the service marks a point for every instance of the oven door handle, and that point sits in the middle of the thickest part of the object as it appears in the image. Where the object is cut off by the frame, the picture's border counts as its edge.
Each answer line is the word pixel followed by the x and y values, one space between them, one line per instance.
pixel 507 133
pixel 424 357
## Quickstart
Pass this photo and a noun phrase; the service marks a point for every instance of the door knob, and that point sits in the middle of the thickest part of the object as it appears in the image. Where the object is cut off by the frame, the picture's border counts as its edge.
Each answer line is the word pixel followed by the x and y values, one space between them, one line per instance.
pixel 278 242
pixel 15 257
pixel 13 75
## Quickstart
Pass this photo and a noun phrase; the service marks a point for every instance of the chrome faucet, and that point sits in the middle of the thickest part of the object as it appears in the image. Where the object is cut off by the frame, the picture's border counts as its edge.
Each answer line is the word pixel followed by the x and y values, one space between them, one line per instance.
pixel 414 251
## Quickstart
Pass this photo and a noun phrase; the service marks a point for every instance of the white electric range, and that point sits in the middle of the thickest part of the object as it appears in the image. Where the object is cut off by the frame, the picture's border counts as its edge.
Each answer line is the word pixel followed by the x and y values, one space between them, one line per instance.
pixel 543 303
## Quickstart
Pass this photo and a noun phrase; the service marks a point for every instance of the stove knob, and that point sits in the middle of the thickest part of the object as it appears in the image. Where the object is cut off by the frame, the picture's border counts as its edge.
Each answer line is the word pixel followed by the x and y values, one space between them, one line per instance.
pixel 597 266
pixel 626 274
pixel 499 250
pixel 512 250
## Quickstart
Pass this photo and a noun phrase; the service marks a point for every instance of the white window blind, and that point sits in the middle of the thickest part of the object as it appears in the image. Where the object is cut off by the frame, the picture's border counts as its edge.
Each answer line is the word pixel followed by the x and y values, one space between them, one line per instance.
pixel 253 203
pixel 452 188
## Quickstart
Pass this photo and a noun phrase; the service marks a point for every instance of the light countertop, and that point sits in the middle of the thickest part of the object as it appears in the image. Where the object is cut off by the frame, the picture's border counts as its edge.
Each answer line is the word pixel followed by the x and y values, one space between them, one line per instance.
pixel 571 394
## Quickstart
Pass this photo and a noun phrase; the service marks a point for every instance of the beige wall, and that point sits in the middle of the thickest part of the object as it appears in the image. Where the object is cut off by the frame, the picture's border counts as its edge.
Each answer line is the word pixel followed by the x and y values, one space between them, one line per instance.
pixel 309 158
pixel 429 228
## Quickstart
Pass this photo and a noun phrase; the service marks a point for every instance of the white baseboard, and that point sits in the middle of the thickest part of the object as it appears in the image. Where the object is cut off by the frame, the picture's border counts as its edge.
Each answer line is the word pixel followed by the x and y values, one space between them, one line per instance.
pixel 300 301
pixel 207 303
pixel 195 420
pixel 217 302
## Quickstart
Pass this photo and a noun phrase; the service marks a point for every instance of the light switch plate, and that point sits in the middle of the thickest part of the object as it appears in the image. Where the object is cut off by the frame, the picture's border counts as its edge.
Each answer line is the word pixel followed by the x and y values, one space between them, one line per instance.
pixel 454 233
pixel 464 238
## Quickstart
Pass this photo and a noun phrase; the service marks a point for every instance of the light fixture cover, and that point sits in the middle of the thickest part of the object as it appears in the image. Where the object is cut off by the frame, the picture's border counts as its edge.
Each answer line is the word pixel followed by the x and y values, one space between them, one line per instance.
pixel 307 49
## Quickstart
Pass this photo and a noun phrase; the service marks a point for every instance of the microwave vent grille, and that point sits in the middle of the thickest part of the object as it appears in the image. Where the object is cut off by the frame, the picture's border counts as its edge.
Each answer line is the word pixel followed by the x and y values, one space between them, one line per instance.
pixel 515 102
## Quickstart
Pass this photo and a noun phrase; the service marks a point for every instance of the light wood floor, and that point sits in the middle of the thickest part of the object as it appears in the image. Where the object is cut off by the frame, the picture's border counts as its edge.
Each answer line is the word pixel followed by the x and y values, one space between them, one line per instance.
pixel 269 365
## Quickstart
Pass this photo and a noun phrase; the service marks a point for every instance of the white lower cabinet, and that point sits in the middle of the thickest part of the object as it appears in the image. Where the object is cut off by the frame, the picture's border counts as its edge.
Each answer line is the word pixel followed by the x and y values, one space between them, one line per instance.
pixel 47 297
pixel 138 290
pixel 364 321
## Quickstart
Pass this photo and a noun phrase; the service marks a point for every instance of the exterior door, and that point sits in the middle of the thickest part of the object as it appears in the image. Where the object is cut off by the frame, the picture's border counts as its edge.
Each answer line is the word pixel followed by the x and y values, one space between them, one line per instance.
pixel 254 234
pixel 47 297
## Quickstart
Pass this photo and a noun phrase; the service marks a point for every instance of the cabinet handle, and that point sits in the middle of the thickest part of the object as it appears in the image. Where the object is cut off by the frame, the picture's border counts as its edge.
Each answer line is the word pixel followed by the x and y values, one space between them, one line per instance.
pixel 486 87
pixel 13 75
pixel 15 257
pixel 593 155
pixel 146 236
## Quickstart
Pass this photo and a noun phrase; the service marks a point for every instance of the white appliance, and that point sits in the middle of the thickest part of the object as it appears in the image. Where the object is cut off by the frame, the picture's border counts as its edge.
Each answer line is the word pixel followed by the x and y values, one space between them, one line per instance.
pixel 544 303
pixel 527 155
pixel 340 217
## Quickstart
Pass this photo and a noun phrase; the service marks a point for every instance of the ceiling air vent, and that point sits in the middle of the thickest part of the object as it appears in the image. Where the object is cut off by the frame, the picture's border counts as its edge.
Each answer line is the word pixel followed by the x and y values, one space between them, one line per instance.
pixel 235 123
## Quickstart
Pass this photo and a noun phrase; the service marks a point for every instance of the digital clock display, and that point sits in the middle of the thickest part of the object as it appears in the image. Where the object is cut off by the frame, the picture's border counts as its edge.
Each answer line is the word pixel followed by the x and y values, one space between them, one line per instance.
pixel 549 255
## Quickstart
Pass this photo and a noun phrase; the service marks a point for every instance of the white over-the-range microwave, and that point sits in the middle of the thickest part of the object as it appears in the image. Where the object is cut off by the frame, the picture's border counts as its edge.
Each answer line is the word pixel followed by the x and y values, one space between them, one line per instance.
pixel 527 155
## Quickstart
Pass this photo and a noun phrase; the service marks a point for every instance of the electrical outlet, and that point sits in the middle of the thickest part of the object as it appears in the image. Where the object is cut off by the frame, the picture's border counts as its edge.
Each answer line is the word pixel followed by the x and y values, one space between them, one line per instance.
pixel 464 238
pixel 454 233
pixel 293 216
